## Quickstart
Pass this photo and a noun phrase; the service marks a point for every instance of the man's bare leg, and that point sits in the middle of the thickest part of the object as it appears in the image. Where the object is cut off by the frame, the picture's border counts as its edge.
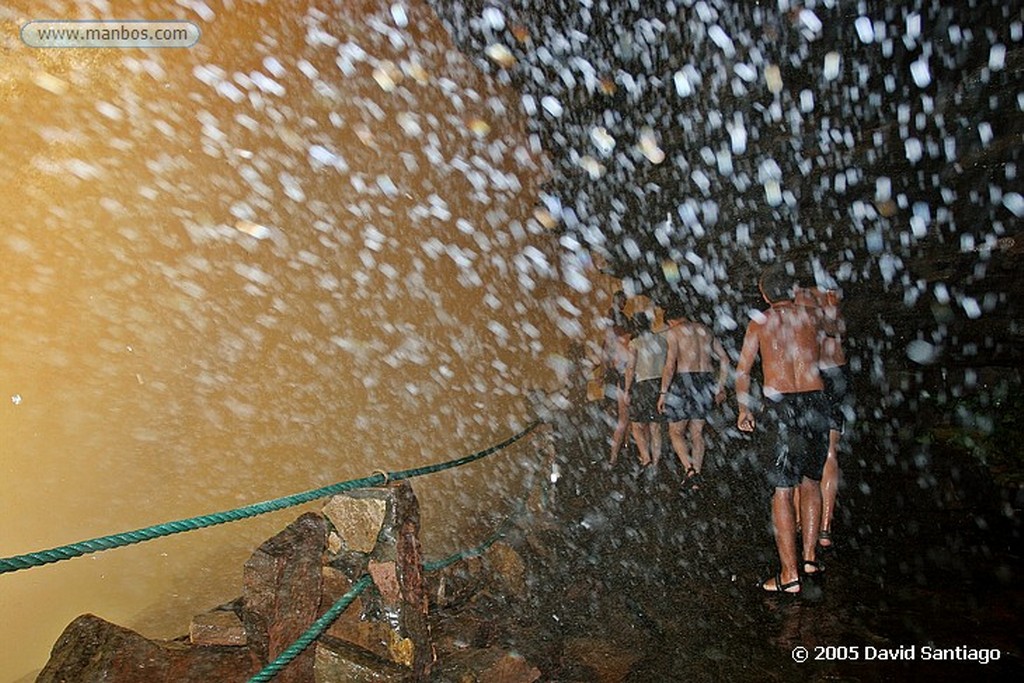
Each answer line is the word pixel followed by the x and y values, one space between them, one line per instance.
pixel 676 436
pixel 784 526
pixel 696 431
pixel 655 444
pixel 619 436
pixel 640 436
pixel 797 508
pixel 810 515
pixel 829 488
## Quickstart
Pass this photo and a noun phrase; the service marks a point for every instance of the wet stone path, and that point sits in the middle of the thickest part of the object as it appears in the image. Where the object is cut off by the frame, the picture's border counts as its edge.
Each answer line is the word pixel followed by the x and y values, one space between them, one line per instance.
pixel 632 579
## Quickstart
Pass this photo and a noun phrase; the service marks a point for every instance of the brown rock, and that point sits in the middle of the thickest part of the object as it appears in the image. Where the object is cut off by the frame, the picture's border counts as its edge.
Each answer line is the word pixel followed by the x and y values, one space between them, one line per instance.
pixel 385 577
pixel 508 569
pixel 487 665
pixel 358 517
pixel 336 663
pixel 356 631
pixel 219 627
pixel 391 621
pixel 456 583
pixel 281 592
pixel 92 650
pixel 415 600
pixel 606 662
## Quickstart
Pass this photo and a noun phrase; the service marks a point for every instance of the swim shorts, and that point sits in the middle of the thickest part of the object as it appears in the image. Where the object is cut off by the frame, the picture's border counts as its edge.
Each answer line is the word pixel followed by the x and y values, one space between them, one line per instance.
pixel 839 395
pixel 643 401
pixel 690 397
pixel 797 426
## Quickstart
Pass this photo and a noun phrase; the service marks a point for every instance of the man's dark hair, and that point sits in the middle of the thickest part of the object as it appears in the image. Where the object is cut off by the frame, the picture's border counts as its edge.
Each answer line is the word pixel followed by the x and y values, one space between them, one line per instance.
pixel 777 284
pixel 675 311
pixel 641 323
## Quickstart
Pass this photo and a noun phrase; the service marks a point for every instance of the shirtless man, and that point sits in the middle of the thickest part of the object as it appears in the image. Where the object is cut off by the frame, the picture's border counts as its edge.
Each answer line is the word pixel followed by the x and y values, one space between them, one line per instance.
pixel 647 353
pixel 689 388
pixel 837 386
pixel 787 338
pixel 616 359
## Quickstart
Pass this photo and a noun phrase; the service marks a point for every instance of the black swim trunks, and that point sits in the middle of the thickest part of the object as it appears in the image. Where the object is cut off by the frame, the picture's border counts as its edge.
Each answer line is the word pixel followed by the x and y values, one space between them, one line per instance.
pixel 797 426
pixel 839 394
pixel 643 401
pixel 690 397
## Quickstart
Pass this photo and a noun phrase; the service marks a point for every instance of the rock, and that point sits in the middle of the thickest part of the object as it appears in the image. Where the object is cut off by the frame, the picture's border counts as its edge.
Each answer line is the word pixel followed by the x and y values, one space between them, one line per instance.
pixel 486 665
pixel 92 650
pixel 390 622
pixel 288 582
pixel 605 662
pixel 456 583
pixel 218 627
pixel 281 592
pixel 336 663
pixel 358 517
pixel 507 570
pixel 385 577
pixel 415 605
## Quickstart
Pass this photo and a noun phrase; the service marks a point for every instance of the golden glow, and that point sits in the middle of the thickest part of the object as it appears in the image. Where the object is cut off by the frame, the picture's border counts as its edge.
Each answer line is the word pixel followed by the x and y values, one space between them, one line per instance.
pixel 231 273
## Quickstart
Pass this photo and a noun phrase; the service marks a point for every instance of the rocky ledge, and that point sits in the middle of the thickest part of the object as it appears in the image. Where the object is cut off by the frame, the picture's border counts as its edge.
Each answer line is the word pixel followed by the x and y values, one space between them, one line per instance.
pixel 386 634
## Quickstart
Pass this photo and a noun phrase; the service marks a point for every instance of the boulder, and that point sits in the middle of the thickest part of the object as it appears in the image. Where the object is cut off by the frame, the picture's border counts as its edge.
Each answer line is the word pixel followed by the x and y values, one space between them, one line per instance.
pixel 486 665
pixel 602 660
pixel 357 517
pixel 92 650
pixel 390 622
pixel 337 662
pixel 217 627
pixel 282 583
pixel 507 570
pixel 288 582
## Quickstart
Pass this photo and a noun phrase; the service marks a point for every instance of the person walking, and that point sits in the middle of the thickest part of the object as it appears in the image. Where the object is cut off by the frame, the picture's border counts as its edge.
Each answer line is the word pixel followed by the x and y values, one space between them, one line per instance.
pixel 690 388
pixel 647 353
pixel 786 337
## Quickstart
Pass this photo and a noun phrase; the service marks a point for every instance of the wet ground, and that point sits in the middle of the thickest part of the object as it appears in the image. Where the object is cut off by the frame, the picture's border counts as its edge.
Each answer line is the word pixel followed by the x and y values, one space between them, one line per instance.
pixel 635 580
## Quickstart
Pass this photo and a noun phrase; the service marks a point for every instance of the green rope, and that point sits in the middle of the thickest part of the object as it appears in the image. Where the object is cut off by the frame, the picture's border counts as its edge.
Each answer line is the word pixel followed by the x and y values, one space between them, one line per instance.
pixel 312 633
pixel 66 552
pixel 317 628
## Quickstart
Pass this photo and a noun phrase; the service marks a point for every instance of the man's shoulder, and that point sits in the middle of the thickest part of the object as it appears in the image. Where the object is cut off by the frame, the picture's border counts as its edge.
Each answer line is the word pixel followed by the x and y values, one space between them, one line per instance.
pixel 758 319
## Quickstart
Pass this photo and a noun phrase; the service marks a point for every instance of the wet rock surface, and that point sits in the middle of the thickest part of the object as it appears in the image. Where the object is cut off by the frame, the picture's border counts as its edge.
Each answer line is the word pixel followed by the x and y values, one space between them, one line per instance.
pixel 640 581
pixel 91 649
pixel 624 576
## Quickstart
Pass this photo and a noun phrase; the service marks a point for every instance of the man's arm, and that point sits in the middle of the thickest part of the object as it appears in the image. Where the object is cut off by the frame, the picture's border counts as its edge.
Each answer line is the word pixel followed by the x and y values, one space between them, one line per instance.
pixel 669 371
pixel 718 351
pixel 751 345
pixel 833 322
pixel 630 370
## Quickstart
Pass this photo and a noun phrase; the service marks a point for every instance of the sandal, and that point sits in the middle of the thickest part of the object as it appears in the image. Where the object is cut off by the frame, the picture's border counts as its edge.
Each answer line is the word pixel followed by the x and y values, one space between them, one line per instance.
pixel 817 567
pixel 692 480
pixel 825 538
pixel 781 587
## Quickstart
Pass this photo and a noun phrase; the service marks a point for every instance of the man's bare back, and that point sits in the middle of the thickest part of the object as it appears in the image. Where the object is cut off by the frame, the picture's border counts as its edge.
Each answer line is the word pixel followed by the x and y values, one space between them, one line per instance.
pixel 787 337
pixel 692 346
pixel 832 323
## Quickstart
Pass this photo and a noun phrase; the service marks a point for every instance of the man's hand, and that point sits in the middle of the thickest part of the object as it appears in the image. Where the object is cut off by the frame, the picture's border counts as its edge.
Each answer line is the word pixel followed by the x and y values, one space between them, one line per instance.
pixel 720 395
pixel 745 420
pixel 661 404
